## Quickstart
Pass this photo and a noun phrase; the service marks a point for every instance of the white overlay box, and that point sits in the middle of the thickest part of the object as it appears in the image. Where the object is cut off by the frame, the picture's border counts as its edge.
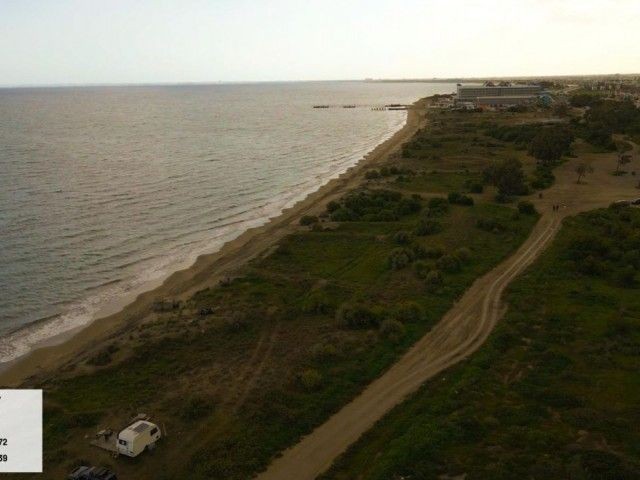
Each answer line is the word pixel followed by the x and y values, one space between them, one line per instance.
pixel 20 431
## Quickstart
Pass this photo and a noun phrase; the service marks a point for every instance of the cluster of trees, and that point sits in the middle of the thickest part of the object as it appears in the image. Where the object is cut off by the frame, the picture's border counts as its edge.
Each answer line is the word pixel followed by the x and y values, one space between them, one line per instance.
pixel 387 172
pixel 519 134
pixel 389 322
pixel 550 144
pixel 606 117
pixel 373 206
pixel 611 247
pixel 508 177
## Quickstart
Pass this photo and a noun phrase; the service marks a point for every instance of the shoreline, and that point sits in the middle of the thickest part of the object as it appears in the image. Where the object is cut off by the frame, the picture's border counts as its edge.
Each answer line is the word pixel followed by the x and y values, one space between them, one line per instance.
pixel 206 271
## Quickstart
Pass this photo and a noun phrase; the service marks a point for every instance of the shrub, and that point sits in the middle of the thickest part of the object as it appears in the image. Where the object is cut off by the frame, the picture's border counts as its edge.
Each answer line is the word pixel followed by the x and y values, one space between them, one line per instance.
pixel 372 175
pixel 357 316
pixel 374 206
pixel 463 254
pixel 456 198
pixel 310 379
pixel 626 277
pixel 526 207
pixel 392 330
pixel 306 220
pixel 409 312
pixel 473 187
pixel 490 225
pixel 343 215
pixel 332 206
pixel 323 351
pixel 434 278
pixel 438 206
pixel 318 303
pixel 427 227
pixel 434 252
pixel 400 258
pixel 195 408
pixel 448 263
pixel 402 238
pixel 421 268
pixel 104 356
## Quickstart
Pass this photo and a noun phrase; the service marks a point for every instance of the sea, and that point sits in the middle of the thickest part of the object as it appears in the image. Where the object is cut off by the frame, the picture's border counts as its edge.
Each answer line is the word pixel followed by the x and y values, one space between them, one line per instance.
pixel 107 189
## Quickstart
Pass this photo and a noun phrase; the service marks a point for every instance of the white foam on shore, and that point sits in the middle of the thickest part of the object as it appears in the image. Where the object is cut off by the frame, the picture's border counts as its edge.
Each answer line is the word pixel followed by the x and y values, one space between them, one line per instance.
pixel 79 314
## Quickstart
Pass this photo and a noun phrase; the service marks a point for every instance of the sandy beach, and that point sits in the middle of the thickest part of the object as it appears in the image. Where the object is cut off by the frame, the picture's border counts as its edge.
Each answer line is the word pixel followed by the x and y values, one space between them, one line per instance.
pixel 207 271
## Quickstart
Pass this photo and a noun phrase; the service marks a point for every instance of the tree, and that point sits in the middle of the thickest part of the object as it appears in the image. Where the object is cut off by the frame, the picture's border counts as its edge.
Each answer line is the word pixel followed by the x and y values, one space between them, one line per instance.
pixel 507 176
pixel 623 159
pixel 550 144
pixel 583 169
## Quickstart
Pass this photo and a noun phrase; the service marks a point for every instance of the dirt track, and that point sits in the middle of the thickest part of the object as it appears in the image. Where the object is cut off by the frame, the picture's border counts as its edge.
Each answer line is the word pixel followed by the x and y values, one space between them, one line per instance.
pixel 461 331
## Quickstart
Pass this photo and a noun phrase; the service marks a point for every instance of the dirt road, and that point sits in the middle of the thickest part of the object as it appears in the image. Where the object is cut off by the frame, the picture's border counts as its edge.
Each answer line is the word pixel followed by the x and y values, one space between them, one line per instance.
pixel 460 333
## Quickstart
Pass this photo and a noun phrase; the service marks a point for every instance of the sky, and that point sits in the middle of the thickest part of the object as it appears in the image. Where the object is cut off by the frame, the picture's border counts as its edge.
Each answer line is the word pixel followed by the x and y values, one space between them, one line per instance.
pixel 52 42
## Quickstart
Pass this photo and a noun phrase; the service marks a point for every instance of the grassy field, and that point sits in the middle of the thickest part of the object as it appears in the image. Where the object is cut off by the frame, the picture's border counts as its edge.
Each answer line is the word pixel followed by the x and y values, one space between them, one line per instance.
pixel 554 393
pixel 242 370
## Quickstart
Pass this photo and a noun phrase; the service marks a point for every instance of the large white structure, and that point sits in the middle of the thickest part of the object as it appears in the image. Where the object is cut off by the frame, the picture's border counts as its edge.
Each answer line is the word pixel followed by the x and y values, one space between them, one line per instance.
pixel 498 95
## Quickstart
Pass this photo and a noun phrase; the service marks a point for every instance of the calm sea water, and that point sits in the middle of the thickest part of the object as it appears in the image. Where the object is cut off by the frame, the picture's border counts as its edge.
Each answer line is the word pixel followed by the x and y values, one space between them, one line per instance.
pixel 105 189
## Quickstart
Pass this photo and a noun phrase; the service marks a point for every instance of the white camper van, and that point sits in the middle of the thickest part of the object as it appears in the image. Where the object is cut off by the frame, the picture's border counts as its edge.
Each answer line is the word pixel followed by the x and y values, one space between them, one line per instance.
pixel 134 439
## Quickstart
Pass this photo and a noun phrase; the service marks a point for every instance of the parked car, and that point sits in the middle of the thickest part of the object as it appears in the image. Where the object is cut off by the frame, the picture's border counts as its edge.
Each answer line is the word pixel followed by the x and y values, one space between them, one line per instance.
pixel 92 473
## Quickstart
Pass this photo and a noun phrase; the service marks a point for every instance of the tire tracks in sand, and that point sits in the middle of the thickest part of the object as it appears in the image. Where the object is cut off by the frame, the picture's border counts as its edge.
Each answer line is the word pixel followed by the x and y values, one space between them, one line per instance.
pixel 460 333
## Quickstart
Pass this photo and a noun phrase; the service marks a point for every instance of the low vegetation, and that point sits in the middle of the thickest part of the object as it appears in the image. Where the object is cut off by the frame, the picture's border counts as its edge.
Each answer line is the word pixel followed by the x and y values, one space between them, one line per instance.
pixel 554 392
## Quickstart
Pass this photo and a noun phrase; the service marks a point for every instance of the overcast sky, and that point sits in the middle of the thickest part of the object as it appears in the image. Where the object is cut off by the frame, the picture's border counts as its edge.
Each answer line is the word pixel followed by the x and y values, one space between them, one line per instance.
pixel 145 41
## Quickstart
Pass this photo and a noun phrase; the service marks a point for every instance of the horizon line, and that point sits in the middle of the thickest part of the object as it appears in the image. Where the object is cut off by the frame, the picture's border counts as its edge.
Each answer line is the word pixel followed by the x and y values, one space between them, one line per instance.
pixel 366 79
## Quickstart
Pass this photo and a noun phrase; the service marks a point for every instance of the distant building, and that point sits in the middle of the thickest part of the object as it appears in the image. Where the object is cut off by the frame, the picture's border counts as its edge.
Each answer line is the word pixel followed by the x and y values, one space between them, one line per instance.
pixel 501 95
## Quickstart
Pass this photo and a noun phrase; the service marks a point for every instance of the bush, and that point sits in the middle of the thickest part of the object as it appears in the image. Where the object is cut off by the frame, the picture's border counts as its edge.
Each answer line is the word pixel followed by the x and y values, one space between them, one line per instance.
pixel 421 268
pixel 332 206
pixel 323 351
pixel 402 238
pixel 434 252
pixel 448 263
pixel 434 278
pixel 310 379
pixel 373 206
pixel 392 330
pixel 490 225
pixel 307 220
pixel 438 206
pixel 318 303
pixel 474 187
pixel 526 208
pixel 463 254
pixel 427 227
pixel 372 175
pixel 357 316
pixel 409 312
pixel 400 258
pixel 195 408
pixel 456 198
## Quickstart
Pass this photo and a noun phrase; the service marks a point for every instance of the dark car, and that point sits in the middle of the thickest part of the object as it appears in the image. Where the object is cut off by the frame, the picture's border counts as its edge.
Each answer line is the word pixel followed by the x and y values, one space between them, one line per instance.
pixel 92 473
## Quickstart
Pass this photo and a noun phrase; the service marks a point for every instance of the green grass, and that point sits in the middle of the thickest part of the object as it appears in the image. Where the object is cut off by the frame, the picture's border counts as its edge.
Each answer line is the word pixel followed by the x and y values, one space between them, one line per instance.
pixel 441 181
pixel 554 393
